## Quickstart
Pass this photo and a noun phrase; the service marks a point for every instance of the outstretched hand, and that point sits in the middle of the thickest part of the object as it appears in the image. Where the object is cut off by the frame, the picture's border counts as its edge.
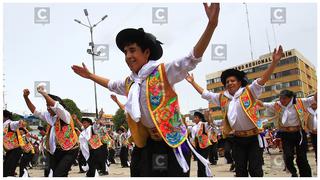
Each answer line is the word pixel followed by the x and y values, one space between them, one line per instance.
pixel 114 97
pixel 190 78
pixel 277 54
pixel 81 70
pixel 212 12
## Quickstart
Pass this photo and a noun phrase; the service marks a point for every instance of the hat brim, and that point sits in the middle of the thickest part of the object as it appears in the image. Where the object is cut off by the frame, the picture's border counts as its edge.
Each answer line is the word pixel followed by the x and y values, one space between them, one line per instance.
pixel 232 72
pixel 131 34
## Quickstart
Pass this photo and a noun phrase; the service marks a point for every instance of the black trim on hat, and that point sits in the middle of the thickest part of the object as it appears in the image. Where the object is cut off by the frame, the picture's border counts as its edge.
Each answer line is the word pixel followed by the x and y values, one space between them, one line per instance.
pixel 149 40
pixel 240 75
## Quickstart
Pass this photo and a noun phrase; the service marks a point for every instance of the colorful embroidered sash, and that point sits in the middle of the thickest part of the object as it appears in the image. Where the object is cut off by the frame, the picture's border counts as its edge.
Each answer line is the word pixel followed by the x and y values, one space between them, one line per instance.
pixel 203 138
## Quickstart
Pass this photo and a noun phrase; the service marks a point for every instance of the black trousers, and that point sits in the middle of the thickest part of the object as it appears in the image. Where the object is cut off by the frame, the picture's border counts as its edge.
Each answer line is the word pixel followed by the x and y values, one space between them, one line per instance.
pixel 95 160
pixel 124 156
pixel 248 156
pixel 158 160
pixel 213 153
pixel 82 161
pixel 135 162
pixel 104 157
pixel 47 163
pixel 61 161
pixel 314 143
pixel 111 154
pixel 291 147
pixel 228 144
pixel 25 159
pixel 10 162
pixel 201 168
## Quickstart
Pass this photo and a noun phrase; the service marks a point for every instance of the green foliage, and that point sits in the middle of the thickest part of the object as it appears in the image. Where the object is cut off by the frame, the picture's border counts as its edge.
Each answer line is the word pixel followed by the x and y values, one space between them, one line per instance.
pixel 119 119
pixel 72 107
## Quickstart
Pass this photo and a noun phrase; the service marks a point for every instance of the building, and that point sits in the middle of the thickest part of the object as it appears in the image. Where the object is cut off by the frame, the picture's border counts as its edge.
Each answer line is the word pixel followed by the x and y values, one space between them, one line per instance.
pixel 294 72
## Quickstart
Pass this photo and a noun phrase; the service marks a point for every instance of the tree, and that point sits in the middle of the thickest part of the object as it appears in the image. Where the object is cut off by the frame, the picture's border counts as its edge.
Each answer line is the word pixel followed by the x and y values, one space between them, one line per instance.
pixel 119 119
pixel 72 107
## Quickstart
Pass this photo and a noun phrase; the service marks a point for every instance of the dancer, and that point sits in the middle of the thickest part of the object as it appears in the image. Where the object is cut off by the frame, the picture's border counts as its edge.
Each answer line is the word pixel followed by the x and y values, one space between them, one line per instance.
pixel 62 140
pixel 154 119
pixel 240 109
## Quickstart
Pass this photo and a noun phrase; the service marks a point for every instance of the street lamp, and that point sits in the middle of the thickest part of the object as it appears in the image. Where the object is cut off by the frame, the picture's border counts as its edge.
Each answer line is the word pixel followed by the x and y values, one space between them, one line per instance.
pixel 91 51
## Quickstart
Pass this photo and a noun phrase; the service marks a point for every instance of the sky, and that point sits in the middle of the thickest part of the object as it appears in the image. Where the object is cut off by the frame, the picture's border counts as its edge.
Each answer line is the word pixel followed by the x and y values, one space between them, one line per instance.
pixel 45 52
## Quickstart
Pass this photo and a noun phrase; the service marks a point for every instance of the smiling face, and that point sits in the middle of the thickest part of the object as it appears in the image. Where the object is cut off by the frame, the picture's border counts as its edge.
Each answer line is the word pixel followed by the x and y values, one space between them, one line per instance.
pixel 285 100
pixel 232 84
pixel 135 57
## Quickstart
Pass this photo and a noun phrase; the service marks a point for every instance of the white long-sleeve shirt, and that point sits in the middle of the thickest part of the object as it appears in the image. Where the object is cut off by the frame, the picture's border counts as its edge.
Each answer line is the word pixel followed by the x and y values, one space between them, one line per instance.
pixel 63 114
pixel 176 71
pixel 84 138
pixel 293 119
pixel 242 122
pixel 197 127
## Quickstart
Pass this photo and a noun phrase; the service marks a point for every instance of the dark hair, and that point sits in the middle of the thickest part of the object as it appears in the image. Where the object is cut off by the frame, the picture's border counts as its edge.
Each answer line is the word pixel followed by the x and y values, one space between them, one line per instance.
pixel 239 75
pixel 289 94
pixel 199 115
pixel 88 120
pixel 57 98
pixel 23 129
pixel 7 114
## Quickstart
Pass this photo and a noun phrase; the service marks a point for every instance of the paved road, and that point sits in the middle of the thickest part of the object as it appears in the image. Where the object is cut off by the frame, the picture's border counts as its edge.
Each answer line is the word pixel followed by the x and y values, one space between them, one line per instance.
pixel 273 167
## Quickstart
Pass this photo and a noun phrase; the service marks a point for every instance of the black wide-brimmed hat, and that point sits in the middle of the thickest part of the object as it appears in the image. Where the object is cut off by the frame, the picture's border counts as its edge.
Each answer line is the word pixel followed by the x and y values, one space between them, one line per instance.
pixel 200 115
pixel 287 93
pixel 240 75
pixel 87 120
pixel 138 35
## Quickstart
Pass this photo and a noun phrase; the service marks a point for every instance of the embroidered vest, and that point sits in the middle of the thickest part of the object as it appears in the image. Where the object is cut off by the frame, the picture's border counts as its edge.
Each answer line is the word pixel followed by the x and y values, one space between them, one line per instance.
pixel 66 136
pixel 104 135
pixel 163 106
pixel 249 105
pixel 301 112
pixel 213 137
pixel 94 141
pixel 202 137
pixel 28 147
pixel 11 139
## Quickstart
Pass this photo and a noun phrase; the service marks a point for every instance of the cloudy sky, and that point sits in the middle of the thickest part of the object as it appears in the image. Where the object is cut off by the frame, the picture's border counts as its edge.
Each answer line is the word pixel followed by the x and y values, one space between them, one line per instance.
pixel 46 52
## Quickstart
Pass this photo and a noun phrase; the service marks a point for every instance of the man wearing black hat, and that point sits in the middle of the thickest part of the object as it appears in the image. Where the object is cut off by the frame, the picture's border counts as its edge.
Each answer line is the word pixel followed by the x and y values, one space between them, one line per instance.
pixel 92 147
pixel 201 141
pixel 290 112
pixel 240 109
pixel 154 117
pixel 62 140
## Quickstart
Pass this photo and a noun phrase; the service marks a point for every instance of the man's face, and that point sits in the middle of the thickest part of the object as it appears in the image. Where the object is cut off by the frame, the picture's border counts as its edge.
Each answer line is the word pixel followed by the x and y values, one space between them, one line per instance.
pixel 85 124
pixel 232 84
pixel 135 57
pixel 285 100
pixel 196 119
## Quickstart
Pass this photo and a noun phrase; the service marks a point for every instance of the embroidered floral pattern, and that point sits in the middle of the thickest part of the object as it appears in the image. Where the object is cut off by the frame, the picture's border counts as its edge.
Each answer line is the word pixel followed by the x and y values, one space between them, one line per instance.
pixel 10 140
pixel 66 136
pixel 94 141
pixel 167 117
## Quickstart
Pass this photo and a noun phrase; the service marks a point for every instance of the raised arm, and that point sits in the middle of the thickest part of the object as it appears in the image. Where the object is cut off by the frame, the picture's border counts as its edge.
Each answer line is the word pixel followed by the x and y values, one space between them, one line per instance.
pixel 212 12
pixel 26 94
pixel 85 73
pixel 115 99
pixel 276 56
pixel 190 79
